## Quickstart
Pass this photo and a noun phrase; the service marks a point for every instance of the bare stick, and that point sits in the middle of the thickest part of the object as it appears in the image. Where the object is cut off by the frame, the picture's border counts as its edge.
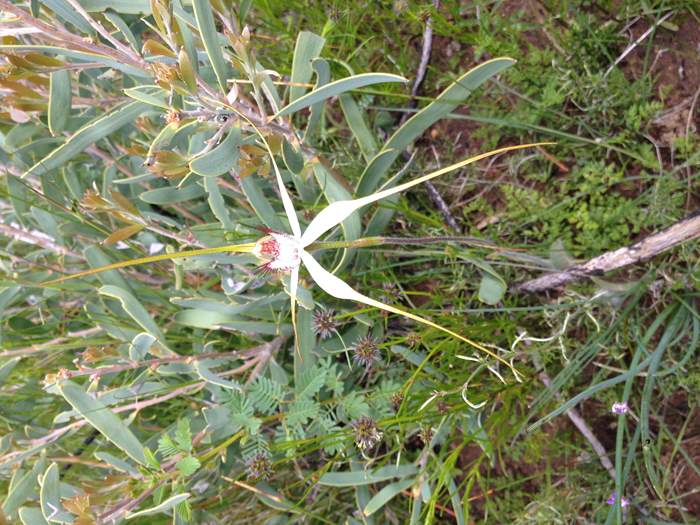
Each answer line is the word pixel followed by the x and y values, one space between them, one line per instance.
pixel 680 232
pixel 426 50
pixel 585 430
pixel 634 44
pixel 36 238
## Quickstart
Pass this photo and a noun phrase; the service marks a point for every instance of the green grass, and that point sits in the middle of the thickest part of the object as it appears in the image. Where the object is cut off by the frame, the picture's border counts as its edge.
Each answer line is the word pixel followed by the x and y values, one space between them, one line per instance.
pixel 517 459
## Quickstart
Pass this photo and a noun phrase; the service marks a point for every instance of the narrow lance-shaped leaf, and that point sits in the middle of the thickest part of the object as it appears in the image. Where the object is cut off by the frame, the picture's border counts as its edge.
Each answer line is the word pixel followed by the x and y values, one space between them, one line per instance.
pixel 448 100
pixel 163 507
pixel 338 288
pixel 103 420
pixel 86 136
pixel 207 30
pixel 337 88
pixel 220 159
pixel 50 498
pixel 336 212
pixel 308 47
pixel 385 495
pixel 59 100
pixel 80 55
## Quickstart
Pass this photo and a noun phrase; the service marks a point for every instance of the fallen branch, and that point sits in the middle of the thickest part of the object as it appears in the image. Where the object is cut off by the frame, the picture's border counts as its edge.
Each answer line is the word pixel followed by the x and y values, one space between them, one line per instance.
pixel 684 230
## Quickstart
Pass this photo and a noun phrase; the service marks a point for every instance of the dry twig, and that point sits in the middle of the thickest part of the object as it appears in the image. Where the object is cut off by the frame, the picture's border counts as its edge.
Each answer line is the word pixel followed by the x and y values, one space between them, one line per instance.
pixel 680 232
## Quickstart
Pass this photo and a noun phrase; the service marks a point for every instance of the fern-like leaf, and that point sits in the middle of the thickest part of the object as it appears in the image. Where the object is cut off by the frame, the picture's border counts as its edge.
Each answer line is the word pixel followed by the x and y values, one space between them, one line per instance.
pixel 266 395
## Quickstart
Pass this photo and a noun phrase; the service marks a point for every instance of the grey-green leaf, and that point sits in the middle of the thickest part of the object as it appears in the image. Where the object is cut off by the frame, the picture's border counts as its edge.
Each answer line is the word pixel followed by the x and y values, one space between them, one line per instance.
pixel 86 136
pixel 221 159
pixel 32 516
pixel 152 95
pixel 350 479
pixel 50 497
pixel 323 77
pixel 358 126
pixel 203 12
pixel 448 100
pixel 140 345
pixel 103 420
pixel 337 88
pixel 308 47
pixel 210 377
pixel 251 186
pixel 59 100
pixel 217 204
pixel 385 495
pixel 173 194
pixel 134 308
pixel 163 507
pixel 22 488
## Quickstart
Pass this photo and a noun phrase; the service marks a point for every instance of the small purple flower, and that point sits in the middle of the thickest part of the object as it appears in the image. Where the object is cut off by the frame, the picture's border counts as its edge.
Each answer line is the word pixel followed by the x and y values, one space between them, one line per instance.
pixel 623 501
pixel 619 407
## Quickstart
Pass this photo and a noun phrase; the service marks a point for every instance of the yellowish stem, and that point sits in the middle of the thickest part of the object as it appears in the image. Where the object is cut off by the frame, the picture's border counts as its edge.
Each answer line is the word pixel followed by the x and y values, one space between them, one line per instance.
pixel 232 248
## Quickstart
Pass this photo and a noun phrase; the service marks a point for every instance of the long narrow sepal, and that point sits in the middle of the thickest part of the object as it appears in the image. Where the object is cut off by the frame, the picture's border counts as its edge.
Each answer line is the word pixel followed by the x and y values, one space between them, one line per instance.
pixel 293 284
pixel 289 210
pixel 336 287
pixel 336 212
pixel 232 248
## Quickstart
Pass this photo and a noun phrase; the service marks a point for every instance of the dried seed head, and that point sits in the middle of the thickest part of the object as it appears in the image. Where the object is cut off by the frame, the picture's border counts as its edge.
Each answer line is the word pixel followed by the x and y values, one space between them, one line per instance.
pixel 392 293
pixel 259 467
pixel 365 351
pixel 396 400
pixel 367 434
pixel 324 323
pixel 279 252
pixel 426 434
pixel 413 339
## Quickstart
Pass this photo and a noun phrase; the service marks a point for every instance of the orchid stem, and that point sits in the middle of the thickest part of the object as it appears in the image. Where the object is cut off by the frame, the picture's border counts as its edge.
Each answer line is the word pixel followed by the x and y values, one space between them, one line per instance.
pixel 231 248
pixel 367 242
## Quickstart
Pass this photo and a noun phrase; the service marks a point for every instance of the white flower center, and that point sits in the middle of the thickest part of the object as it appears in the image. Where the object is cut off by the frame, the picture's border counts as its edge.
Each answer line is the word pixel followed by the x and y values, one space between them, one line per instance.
pixel 281 252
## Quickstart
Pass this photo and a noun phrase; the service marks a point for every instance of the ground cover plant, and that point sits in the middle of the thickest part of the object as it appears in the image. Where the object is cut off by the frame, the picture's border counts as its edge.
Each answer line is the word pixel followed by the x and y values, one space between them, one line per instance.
pixel 277 262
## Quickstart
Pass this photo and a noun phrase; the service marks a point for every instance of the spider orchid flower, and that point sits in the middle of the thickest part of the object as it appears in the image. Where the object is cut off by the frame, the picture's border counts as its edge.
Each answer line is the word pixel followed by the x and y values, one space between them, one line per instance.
pixel 287 252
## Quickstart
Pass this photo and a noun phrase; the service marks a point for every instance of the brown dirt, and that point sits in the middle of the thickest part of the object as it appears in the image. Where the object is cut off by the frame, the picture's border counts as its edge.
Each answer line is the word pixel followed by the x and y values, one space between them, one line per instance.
pixel 676 411
pixel 675 57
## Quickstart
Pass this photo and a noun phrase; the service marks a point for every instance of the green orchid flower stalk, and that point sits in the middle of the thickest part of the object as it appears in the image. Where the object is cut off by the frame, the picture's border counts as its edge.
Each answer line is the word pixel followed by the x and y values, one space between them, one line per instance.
pixel 286 253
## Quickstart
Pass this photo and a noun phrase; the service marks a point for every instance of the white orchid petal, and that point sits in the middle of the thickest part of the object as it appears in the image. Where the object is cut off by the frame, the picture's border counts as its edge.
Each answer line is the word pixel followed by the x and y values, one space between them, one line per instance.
pixel 338 211
pixel 293 284
pixel 286 199
pixel 338 288
pixel 328 218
